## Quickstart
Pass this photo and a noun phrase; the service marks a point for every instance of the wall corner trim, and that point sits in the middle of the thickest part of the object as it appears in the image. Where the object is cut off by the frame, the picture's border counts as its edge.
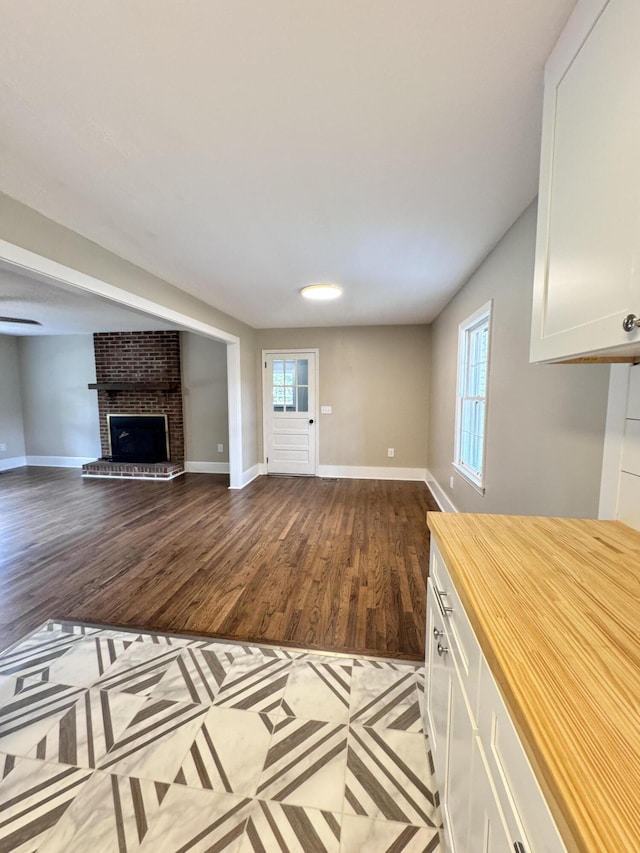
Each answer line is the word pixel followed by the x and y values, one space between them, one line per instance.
pixel 439 494
pixel 248 476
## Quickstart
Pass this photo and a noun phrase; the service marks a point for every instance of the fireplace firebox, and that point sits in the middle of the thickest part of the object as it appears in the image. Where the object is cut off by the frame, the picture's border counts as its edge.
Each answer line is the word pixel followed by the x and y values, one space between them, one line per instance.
pixel 138 438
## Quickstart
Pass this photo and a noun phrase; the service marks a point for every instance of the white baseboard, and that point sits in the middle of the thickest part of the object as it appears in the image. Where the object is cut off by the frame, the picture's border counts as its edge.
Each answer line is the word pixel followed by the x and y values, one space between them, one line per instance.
pixel 347 472
pixel 207 467
pixel 13 462
pixel 439 494
pixel 248 476
pixel 355 472
pixel 59 461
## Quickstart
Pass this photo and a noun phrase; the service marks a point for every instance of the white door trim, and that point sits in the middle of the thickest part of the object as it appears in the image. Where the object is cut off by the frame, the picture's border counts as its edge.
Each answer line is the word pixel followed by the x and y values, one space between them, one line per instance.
pixel 15 257
pixel 267 352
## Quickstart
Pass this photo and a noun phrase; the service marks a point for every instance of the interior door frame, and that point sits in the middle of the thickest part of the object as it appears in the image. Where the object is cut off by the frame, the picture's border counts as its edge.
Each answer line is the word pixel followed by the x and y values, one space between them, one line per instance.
pixel 289 351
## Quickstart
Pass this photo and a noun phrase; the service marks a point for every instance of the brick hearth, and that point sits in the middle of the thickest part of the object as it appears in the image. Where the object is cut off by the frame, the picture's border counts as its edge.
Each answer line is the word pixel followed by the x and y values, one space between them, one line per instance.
pixel 139 471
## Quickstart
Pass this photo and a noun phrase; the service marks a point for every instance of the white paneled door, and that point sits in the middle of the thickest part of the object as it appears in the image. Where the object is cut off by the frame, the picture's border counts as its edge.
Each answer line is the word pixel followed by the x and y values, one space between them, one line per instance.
pixel 290 421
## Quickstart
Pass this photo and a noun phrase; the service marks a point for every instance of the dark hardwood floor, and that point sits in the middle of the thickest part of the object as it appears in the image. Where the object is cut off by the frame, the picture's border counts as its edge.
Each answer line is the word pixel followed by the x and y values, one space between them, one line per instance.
pixel 329 564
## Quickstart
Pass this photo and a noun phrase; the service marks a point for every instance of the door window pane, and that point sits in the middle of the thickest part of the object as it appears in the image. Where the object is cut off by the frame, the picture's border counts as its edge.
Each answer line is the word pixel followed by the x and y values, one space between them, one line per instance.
pixel 290 373
pixel 291 385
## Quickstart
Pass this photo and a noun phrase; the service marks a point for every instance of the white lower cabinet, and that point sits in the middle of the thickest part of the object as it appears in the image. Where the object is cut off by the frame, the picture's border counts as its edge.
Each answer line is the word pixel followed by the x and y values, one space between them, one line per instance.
pixel 455 797
pixel 490 799
pixel 450 728
pixel 488 831
pixel 439 687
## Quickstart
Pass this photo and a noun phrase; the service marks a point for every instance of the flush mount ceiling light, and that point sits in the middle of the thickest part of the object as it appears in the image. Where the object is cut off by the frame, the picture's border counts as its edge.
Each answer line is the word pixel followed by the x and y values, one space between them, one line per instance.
pixel 321 292
pixel 19 320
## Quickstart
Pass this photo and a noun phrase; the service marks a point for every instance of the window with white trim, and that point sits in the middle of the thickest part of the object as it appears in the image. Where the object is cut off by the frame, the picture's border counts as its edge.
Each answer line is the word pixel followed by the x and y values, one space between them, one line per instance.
pixel 471 403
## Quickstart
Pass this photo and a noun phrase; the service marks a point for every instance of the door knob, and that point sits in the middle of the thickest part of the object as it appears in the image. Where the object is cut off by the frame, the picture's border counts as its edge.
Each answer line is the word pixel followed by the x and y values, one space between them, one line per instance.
pixel 310 420
pixel 630 322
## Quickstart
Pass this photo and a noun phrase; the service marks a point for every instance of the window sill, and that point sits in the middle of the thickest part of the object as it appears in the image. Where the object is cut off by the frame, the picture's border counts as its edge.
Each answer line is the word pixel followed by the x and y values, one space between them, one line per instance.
pixel 469 478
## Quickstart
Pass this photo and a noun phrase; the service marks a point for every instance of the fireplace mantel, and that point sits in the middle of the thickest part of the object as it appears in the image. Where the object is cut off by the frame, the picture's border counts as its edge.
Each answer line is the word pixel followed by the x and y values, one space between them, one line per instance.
pixel 167 387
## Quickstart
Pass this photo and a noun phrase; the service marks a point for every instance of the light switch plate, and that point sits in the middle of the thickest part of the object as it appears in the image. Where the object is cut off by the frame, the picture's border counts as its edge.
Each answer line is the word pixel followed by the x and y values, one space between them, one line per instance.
pixel 325 410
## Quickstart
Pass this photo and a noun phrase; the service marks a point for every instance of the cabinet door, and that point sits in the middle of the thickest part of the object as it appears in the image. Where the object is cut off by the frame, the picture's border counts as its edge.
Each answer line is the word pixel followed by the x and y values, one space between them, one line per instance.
pixel 587 276
pixel 524 807
pixel 458 793
pixel 450 728
pixel 488 831
pixel 440 671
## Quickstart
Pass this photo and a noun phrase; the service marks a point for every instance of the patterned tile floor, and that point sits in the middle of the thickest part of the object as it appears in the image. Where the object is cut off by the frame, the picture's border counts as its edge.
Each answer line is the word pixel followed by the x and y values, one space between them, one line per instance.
pixel 123 741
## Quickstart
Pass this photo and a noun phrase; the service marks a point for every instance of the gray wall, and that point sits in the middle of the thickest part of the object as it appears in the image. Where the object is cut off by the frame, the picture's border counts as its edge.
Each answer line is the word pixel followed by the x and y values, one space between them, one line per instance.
pixel 204 387
pixel 376 380
pixel 11 422
pixel 60 412
pixel 25 227
pixel 545 427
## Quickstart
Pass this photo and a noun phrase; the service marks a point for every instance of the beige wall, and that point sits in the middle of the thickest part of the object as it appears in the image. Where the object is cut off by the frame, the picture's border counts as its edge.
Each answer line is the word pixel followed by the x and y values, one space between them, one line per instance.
pixel 545 427
pixel 60 412
pixel 204 386
pixel 11 422
pixel 376 379
pixel 25 227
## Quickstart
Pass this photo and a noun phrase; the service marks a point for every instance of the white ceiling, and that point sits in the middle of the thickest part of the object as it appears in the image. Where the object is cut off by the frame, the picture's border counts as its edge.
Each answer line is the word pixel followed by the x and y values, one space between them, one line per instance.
pixel 243 149
pixel 65 310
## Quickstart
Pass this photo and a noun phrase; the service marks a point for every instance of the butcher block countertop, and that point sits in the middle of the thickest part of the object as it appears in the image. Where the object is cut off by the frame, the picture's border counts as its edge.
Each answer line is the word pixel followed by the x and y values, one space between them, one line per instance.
pixel 555 604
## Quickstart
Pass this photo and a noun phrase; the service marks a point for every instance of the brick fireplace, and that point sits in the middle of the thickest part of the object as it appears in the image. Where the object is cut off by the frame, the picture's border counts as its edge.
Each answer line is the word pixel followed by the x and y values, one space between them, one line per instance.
pixel 138 375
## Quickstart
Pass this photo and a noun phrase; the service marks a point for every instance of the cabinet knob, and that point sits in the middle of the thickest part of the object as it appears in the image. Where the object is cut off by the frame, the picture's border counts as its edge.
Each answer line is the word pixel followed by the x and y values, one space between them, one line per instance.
pixel 630 322
pixel 442 650
pixel 437 634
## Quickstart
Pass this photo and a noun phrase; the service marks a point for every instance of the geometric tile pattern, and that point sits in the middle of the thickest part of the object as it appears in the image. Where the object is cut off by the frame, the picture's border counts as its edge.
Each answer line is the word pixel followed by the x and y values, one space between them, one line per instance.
pixel 139 669
pixel 28 715
pixel 228 753
pixel 254 683
pixel 305 764
pixel 319 691
pixel 88 730
pixel 33 798
pixel 272 826
pixel 131 741
pixel 110 813
pixel 385 778
pixel 390 700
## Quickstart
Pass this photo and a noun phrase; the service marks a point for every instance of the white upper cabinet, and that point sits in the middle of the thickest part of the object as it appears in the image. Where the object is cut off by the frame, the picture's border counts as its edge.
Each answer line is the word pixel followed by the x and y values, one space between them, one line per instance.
pixel 587 276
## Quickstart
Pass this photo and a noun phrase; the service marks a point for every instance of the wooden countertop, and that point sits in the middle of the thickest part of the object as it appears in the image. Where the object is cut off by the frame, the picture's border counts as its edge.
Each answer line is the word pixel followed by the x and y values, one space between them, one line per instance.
pixel 555 604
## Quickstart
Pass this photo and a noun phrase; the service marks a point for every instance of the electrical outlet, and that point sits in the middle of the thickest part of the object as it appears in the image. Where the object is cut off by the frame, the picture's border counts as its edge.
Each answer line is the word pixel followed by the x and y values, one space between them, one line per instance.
pixel 221 448
pixel 450 482
pixel 391 452
pixel 3 447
